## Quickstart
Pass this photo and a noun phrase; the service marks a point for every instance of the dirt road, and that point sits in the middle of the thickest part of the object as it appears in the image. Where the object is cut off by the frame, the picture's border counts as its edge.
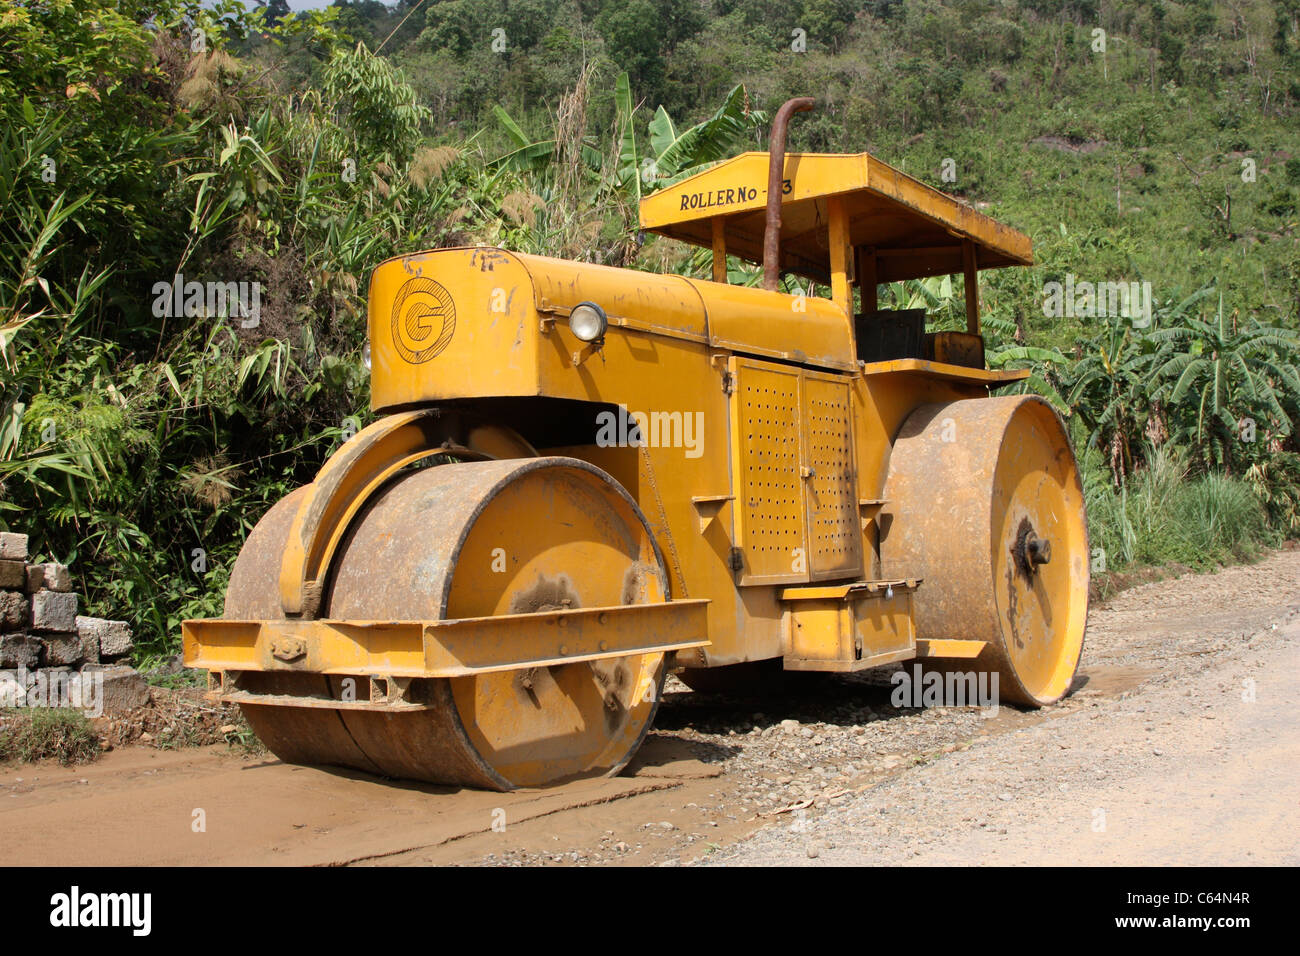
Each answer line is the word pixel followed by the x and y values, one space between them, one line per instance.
pixel 1180 744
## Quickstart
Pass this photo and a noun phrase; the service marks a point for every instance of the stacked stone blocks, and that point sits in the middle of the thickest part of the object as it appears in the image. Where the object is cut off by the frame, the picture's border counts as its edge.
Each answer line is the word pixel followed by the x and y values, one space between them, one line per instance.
pixel 39 623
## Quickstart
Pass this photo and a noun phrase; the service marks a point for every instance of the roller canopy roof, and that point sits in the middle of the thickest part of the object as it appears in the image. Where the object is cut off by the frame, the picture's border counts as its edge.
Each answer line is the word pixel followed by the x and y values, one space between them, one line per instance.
pixel 915 230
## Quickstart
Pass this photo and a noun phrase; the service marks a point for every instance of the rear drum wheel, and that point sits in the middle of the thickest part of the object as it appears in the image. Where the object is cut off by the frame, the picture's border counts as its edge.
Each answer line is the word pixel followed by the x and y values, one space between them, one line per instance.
pixel 986 505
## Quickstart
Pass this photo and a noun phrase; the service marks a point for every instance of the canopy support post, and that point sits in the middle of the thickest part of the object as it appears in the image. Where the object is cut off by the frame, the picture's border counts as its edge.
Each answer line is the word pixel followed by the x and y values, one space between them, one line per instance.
pixel 972 287
pixel 719 250
pixel 841 256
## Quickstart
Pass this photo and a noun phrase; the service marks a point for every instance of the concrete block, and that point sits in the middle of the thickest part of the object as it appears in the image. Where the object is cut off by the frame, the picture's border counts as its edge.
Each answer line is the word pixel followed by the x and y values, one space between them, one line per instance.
pixel 54 576
pixel 91 628
pixel 14 608
pixel 13 547
pixel 113 638
pixel 89 642
pixel 19 650
pixel 124 688
pixel 13 575
pixel 54 611
pixel 61 648
pixel 116 639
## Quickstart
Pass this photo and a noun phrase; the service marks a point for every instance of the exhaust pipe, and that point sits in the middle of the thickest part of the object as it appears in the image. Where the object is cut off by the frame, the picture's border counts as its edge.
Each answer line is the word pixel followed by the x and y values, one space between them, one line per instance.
pixel 775 165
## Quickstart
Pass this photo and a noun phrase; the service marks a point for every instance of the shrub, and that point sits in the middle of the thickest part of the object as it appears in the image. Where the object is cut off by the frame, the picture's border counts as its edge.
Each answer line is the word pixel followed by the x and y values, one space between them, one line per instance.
pixel 42 732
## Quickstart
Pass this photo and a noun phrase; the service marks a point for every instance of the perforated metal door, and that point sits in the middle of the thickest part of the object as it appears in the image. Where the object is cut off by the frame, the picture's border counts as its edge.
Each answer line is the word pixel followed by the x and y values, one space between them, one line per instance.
pixel 766 460
pixel 834 529
pixel 796 491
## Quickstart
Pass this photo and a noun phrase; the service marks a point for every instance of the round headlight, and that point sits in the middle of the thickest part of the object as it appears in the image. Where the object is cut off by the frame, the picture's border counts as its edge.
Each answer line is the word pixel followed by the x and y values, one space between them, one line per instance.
pixel 588 322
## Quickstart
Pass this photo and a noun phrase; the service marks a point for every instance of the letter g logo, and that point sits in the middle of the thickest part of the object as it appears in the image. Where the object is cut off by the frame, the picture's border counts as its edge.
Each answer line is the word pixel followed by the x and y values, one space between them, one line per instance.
pixel 424 318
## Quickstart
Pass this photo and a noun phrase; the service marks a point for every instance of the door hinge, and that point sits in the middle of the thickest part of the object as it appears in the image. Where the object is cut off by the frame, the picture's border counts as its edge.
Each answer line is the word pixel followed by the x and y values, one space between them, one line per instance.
pixel 736 559
pixel 728 383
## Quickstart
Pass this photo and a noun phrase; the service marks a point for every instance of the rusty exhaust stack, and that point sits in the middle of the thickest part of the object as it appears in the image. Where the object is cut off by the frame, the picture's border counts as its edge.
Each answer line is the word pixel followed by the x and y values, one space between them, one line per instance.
pixel 775 165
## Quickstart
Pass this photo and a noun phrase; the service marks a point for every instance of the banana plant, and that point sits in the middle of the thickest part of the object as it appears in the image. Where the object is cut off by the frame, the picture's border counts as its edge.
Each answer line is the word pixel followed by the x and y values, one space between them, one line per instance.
pixel 1046 369
pixel 936 294
pixel 1110 391
pixel 676 155
pixel 1229 373
pixel 537 155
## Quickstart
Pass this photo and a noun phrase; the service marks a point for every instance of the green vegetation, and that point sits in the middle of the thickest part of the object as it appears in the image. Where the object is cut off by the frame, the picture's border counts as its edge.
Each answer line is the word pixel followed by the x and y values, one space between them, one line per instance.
pixel 240 738
pixel 1166 516
pixel 142 141
pixel 41 732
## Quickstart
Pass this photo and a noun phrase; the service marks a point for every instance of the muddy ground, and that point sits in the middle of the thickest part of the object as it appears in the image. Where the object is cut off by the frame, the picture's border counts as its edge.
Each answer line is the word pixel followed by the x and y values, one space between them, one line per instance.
pixel 1179 744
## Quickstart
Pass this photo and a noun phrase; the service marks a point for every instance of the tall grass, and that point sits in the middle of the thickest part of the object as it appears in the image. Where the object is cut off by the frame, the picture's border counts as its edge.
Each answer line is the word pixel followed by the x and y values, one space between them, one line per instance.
pixel 1163 515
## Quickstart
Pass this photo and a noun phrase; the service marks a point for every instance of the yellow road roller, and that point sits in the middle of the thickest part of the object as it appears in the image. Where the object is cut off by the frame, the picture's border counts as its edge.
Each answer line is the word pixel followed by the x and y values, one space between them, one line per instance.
pixel 583 478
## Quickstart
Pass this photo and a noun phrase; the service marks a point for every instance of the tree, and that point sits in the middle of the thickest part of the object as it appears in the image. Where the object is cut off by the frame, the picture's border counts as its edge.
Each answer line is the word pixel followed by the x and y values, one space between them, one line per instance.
pixel 276 10
pixel 1238 379
pixel 376 102
pixel 631 34
pixel 1109 391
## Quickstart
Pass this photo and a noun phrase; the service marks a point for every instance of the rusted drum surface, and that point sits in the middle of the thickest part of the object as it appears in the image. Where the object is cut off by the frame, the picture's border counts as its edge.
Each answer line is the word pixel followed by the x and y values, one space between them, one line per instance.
pixel 474 539
pixel 984 501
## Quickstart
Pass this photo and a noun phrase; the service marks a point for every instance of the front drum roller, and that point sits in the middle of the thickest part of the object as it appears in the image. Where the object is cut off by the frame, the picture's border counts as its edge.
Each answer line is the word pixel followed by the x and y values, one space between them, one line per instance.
pixel 985 504
pixel 459 540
